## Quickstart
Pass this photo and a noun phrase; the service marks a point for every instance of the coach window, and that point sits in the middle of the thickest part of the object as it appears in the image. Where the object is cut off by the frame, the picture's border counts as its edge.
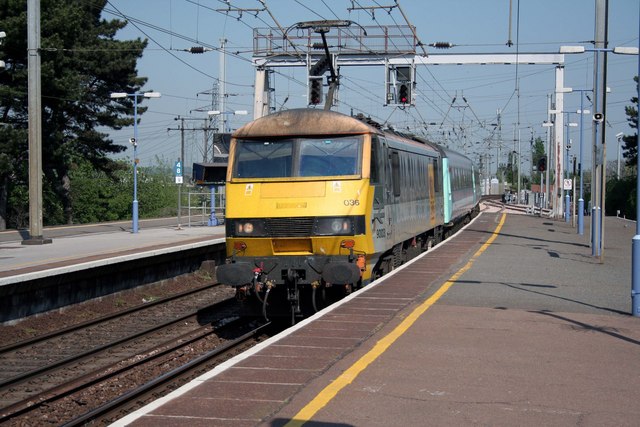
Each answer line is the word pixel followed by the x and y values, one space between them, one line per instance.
pixel 436 176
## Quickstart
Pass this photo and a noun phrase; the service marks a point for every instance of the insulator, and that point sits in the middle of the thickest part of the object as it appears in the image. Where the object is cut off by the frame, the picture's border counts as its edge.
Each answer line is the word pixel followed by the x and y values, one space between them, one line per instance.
pixel 197 49
pixel 318 46
pixel 442 45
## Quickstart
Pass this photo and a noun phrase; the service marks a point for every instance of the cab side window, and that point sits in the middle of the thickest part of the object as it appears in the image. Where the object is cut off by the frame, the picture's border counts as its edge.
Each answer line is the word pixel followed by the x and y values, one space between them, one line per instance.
pixel 375 161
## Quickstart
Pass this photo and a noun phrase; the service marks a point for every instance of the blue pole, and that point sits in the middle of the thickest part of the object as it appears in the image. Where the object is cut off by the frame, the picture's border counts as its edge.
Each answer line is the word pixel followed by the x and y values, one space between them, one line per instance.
pixel 213 221
pixel 595 212
pixel 595 195
pixel 581 199
pixel 635 245
pixel 135 163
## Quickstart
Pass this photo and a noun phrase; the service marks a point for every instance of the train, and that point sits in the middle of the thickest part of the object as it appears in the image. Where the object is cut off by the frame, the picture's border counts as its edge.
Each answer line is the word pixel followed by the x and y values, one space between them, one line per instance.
pixel 318 200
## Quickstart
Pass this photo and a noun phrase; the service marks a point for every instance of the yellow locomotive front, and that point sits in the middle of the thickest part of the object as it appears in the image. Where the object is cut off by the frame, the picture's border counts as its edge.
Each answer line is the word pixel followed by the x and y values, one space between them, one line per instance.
pixel 297 196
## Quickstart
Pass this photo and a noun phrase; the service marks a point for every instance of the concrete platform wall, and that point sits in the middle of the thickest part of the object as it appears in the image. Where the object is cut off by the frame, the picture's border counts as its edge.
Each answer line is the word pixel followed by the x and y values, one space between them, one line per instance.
pixel 56 290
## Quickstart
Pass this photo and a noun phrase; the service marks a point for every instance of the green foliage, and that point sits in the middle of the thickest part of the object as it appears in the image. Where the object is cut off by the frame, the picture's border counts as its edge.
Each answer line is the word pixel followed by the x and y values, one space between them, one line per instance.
pixel 14 197
pixel 511 169
pixel 157 191
pixel 537 152
pixel 98 196
pixel 81 65
pixel 621 195
pixel 630 147
pixel 18 201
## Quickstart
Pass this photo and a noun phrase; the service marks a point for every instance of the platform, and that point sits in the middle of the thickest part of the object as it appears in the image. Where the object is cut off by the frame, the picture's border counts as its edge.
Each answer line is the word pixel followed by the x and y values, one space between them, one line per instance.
pixel 511 322
pixel 91 263
pixel 86 249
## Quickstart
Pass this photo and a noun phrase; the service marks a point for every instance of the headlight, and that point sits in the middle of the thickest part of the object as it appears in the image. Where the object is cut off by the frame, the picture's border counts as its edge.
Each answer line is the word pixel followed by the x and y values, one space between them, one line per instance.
pixel 249 227
pixel 342 226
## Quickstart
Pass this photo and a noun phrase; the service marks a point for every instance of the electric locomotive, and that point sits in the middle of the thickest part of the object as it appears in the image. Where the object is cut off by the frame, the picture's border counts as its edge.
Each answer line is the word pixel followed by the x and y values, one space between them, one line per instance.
pixel 319 200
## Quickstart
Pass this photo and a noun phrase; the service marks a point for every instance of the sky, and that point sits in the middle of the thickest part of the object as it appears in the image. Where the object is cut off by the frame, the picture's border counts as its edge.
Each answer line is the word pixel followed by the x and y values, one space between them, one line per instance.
pixel 455 104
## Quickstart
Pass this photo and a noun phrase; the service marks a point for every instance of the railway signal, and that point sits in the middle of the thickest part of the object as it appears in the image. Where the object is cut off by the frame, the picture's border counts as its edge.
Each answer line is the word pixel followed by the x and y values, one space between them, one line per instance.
pixel 542 164
pixel 399 83
pixel 315 90
pixel 404 95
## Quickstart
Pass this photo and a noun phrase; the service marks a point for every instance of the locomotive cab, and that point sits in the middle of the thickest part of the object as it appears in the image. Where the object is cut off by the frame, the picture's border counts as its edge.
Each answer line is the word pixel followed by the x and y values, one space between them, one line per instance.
pixel 296 198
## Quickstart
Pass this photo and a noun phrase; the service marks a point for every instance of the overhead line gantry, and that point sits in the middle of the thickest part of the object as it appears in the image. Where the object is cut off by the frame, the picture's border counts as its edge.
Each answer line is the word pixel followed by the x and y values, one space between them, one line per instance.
pixel 393 47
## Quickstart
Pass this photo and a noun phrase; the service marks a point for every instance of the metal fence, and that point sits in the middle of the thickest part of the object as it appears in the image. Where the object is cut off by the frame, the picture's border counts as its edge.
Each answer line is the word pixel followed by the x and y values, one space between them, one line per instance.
pixel 206 208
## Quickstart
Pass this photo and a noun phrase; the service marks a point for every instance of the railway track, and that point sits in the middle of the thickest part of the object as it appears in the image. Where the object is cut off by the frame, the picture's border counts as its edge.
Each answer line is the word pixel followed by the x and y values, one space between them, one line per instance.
pixel 162 385
pixel 59 376
pixel 510 208
pixel 111 392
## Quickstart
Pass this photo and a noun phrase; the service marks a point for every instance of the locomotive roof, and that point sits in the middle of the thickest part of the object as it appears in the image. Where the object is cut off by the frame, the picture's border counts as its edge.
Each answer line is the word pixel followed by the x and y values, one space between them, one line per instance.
pixel 304 121
pixel 311 121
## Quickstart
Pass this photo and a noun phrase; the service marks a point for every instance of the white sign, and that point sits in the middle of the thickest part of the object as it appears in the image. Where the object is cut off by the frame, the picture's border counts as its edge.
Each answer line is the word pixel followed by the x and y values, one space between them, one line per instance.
pixel 567 184
pixel 178 179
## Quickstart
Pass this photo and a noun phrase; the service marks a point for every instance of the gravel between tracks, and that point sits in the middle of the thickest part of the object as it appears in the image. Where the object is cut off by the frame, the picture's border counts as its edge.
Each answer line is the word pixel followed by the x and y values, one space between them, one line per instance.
pixel 43 323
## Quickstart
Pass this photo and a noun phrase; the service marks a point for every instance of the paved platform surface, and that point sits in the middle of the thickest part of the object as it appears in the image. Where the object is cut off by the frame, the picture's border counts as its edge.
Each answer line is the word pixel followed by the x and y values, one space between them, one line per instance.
pixel 524 327
pixel 536 332
pixel 87 248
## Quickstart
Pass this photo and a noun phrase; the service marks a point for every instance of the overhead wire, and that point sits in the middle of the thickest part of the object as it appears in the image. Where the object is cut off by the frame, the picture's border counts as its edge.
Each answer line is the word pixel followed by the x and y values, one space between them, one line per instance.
pixel 138 23
pixel 437 93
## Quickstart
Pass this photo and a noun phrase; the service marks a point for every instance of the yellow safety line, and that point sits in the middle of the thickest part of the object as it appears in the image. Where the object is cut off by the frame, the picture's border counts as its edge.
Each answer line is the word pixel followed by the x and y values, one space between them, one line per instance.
pixel 347 377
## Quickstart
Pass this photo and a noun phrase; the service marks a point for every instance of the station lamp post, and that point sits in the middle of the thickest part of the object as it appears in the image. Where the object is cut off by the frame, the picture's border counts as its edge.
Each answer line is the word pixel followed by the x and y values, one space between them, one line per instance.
pixel 548 124
pixel 635 243
pixel 619 139
pixel 582 112
pixel 562 172
pixel 134 142
pixel 567 197
pixel 597 220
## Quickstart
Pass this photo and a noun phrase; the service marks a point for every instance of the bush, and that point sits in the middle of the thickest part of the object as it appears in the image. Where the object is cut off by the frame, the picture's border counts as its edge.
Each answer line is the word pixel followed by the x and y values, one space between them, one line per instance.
pixel 621 195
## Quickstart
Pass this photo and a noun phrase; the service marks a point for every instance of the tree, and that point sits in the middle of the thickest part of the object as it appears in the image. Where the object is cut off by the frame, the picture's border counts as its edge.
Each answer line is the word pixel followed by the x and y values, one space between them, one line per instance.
pixel 98 197
pixel 82 64
pixel 621 194
pixel 511 170
pixel 630 147
pixel 537 152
